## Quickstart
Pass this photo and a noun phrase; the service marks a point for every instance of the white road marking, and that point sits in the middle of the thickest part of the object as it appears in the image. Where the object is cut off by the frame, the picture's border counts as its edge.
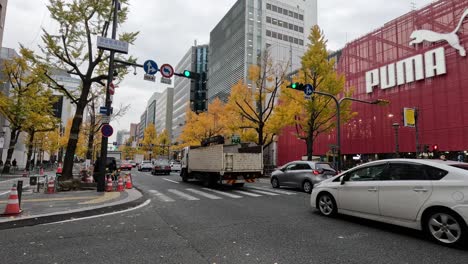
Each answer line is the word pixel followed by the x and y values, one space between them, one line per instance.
pixel 263 192
pixel 102 215
pixel 171 180
pixel 24 186
pixel 223 193
pixel 161 196
pixel 183 195
pixel 271 190
pixel 248 194
pixel 204 194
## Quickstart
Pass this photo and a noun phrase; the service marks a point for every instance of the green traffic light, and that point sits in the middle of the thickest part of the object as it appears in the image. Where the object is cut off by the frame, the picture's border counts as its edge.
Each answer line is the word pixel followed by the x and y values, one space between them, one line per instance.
pixel 187 73
pixel 294 85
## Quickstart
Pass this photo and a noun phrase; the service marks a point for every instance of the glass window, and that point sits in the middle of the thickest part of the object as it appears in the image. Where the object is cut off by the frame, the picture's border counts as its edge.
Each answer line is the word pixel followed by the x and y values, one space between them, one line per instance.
pixel 274 21
pixel 268 19
pixel 274 8
pixel 280 10
pixel 406 172
pixel 291 39
pixel 436 174
pixel 280 36
pixel 301 29
pixel 268 45
pixel 291 167
pixel 268 33
pixel 296 28
pixel 269 6
pixel 301 17
pixel 285 37
pixel 460 166
pixel 285 12
pixel 296 15
pixel 291 26
pixel 291 14
pixel 371 173
pixel 285 24
pixel 303 166
pixel 301 42
pixel 324 166
pixel 296 41
pixel 273 34
pixel 280 23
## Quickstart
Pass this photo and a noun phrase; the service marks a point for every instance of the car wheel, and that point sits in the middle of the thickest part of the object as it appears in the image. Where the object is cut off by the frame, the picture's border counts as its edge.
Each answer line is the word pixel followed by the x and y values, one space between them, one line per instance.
pixel 275 182
pixel 446 227
pixel 307 186
pixel 326 205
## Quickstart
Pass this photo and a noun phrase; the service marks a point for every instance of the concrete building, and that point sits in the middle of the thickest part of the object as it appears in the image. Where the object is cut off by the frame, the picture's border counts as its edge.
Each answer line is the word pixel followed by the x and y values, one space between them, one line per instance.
pixel 248 29
pixel 187 92
pixel 122 137
pixel 133 131
pixel 151 109
pixel 142 126
pixel 164 111
pixel 3 8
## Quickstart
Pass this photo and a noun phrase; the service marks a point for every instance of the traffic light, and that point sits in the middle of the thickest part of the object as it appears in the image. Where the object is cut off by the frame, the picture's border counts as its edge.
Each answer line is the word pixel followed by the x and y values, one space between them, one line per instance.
pixel 435 147
pixel 296 86
pixel 191 75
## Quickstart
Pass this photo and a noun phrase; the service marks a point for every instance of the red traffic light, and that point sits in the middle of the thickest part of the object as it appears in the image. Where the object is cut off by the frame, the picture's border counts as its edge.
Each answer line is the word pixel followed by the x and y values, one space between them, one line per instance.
pixel 435 147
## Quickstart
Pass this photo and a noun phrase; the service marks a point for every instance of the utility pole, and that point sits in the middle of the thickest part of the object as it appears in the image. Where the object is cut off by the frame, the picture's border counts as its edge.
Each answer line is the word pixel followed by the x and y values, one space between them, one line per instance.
pixel 396 126
pixel 104 140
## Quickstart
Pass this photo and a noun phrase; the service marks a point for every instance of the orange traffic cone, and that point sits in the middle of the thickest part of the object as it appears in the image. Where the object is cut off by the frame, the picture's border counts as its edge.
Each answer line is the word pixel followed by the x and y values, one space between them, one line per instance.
pixel 12 207
pixel 51 186
pixel 59 169
pixel 120 186
pixel 128 183
pixel 109 187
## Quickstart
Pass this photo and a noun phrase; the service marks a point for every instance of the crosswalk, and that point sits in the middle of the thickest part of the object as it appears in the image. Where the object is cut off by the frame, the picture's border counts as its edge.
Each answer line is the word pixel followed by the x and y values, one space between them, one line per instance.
pixel 196 194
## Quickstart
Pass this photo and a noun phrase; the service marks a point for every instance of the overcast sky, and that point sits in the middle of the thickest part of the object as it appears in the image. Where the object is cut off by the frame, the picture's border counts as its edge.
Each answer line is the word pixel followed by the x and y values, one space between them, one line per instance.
pixel 169 28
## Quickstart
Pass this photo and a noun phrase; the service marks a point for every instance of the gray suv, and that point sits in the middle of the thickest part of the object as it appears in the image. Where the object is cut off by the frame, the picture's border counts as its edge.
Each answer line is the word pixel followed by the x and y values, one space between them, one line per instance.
pixel 302 174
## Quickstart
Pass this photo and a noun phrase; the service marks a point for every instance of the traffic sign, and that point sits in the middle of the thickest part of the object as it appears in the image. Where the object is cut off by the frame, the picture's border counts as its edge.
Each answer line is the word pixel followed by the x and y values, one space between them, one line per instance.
pixel 105 119
pixel 148 77
pixel 112 44
pixel 107 130
pixel 103 110
pixel 166 70
pixel 308 89
pixel 150 67
pixel 166 80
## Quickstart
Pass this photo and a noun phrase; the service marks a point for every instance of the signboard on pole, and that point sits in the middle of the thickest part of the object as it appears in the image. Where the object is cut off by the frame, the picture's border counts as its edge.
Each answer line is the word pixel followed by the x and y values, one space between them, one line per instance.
pixel 103 110
pixel 166 71
pixel 112 44
pixel 107 130
pixel 105 119
pixel 166 80
pixel 150 67
pixel 148 77
pixel 409 117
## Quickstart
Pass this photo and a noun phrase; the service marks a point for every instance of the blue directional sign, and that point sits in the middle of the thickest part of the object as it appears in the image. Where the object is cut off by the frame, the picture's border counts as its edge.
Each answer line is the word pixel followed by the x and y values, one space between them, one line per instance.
pixel 107 130
pixel 308 89
pixel 103 110
pixel 150 67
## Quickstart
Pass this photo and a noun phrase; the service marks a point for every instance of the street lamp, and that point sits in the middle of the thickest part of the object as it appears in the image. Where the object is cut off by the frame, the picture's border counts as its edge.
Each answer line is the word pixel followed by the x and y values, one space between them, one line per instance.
pixel 396 126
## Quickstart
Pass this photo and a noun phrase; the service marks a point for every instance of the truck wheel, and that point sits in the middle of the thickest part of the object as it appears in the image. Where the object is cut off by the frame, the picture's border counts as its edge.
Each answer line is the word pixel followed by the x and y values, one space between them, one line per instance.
pixel 241 184
pixel 183 174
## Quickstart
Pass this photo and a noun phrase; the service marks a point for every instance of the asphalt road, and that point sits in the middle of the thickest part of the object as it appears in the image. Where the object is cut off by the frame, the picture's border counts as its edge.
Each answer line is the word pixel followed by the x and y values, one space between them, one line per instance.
pixel 185 223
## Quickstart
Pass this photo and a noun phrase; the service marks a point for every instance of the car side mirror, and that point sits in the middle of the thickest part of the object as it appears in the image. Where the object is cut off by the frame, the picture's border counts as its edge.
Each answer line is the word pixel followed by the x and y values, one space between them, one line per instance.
pixel 342 180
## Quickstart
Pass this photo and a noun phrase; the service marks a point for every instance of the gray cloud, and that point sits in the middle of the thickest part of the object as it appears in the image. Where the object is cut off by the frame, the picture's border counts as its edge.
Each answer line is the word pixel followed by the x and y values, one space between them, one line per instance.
pixel 169 28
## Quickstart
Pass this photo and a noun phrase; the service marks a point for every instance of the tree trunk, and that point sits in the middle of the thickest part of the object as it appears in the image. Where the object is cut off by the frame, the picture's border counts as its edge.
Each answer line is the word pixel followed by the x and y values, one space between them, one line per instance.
pixel 30 150
pixel 92 129
pixel 13 139
pixel 72 142
pixel 310 147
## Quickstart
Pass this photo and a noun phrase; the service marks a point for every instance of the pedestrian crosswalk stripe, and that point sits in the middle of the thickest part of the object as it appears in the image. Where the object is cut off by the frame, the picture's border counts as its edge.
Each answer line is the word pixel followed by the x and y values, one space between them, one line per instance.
pixel 248 194
pixel 271 190
pixel 263 192
pixel 183 195
pixel 223 193
pixel 161 196
pixel 204 194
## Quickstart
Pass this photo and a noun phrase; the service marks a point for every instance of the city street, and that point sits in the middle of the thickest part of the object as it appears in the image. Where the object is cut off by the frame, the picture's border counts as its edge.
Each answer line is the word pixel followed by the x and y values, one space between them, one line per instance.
pixel 186 223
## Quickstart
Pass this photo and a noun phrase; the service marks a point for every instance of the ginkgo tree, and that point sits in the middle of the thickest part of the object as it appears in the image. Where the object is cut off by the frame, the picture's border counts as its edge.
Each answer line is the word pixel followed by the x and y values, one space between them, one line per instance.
pixel 317 115
pixel 252 107
pixel 206 124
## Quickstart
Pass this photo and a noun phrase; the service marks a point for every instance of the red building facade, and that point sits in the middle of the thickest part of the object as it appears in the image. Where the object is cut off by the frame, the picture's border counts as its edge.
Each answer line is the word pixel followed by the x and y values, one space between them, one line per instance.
pixel 431 76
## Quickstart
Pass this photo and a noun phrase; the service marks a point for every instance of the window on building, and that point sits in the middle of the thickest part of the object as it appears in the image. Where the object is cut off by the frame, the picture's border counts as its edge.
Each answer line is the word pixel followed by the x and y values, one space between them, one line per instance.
pixel 291 13
pixel 285 12
pixel 285 37
pixel 273 34
pixel 301 17
pixel 296 15
pixel 268 19
pixel 301 29
pixel 296 28
pixel 268 45
pixel 285 24
pixel 291 26
pixel 296 41
pixel 280 10
pixel 269 6
pixel 274 8
pixel 268 33
pixel 291 39
pixel 280 23
pixel 301 42
pixel 274 21
pixel 280 36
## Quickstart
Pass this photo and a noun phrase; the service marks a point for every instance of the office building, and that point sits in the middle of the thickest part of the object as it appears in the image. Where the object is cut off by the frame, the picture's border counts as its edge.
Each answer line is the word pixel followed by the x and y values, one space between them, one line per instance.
pixel 3 8
pixel 142 126
pixel 248 30
pixel 122 137
pixel 189 93
pixel 164 111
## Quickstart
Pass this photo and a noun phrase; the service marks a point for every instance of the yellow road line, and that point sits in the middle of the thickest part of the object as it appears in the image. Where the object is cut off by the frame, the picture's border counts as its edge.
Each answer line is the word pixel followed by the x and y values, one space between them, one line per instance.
pixel 53 199
pixel 106 197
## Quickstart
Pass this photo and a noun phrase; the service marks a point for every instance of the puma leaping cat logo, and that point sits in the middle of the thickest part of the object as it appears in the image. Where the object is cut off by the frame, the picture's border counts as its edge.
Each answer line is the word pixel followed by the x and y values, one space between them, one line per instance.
pixel 418 36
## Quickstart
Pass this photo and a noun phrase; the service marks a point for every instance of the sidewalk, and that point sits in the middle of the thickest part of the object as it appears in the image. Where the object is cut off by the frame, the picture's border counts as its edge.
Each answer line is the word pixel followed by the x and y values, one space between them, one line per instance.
pixel 40 208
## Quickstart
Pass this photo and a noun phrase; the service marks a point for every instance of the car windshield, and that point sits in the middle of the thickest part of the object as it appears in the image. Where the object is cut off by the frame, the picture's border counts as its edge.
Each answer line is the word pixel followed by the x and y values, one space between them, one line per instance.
pixel 161 162
pixel 461 166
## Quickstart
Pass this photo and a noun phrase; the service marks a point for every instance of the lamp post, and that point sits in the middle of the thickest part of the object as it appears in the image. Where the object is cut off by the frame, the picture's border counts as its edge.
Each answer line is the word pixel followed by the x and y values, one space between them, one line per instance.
pixel 396 126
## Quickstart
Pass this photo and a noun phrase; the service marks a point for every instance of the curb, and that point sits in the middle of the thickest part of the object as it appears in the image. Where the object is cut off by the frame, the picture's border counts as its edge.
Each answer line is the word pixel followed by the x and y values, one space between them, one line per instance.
pixel 39 220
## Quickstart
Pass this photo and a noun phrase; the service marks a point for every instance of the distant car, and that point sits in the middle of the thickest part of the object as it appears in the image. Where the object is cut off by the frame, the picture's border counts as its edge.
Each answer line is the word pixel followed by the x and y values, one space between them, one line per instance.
pixel 161 167
pixel 175 166
pixel 428 195
pixel 302 174
pixel 146 165
pixel 133 163
pixel 125 166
